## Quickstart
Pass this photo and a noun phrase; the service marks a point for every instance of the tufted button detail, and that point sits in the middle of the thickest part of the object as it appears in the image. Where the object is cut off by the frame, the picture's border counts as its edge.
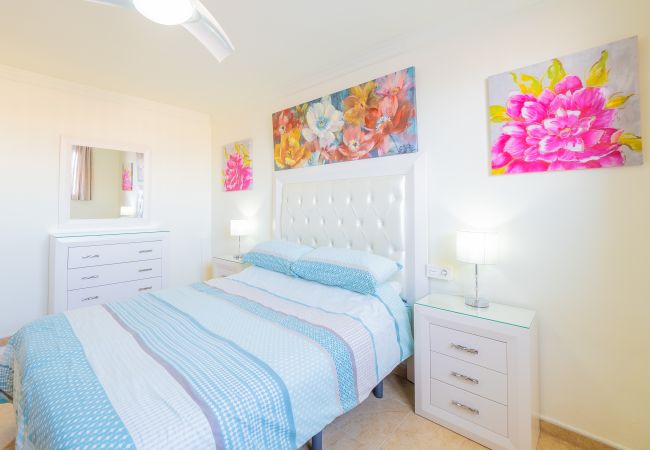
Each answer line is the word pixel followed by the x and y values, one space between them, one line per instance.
pixel 331 243
pixel 369 199
pixel 339 222
pixel 293 220
pixel 314 201
pixel 380 223
pixel 348 199
pixel 306 220
pixel 358 223
pixel 299 241
pixel 322 221
pixel 300 200
pixel 330 199
pixel 349 245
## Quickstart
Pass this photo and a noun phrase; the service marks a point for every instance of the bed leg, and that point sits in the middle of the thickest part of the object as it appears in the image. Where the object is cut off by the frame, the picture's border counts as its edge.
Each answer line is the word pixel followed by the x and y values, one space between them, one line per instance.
pixel 379 390
pixel 317 442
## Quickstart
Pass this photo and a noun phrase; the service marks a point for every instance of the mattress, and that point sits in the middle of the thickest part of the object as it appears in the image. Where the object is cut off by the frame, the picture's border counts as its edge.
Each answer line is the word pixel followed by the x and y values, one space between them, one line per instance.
pixel 255 360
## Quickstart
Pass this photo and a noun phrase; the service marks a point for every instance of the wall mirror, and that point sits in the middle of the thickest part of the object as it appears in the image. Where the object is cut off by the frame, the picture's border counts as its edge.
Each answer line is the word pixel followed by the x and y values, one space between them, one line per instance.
pixel 103 184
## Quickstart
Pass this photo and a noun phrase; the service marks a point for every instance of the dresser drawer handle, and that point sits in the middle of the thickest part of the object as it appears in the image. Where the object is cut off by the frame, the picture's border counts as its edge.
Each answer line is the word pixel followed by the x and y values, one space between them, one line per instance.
pixel 90 277
pixel 87 299
pixel 90 256
pixel 145 288
pixel 473 351
pixel 145 270
pixel 145 251
pixel 465 407
pixel 464 377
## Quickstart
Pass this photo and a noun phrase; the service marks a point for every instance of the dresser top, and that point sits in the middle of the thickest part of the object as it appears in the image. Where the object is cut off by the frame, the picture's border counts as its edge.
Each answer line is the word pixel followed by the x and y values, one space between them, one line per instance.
pixel 100 233
pixel 509 315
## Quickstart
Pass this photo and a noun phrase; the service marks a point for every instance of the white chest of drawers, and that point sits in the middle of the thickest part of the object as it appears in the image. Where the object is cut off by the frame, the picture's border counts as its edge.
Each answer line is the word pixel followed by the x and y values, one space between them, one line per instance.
pixel 476 370
pixel 93 269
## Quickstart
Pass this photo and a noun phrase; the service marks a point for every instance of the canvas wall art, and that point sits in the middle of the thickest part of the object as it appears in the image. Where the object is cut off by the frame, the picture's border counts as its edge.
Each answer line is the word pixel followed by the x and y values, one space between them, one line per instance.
pixel 373 119
pixel 575 112
pixel 237 173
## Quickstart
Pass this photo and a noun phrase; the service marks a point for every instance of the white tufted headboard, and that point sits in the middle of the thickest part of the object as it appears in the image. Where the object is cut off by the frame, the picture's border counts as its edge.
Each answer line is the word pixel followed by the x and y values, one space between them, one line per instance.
pixel 375 205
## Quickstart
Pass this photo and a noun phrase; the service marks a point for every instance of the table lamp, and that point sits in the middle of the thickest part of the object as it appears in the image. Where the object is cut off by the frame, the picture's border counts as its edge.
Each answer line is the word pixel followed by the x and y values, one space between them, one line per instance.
pixel 476 247
pixel 239 228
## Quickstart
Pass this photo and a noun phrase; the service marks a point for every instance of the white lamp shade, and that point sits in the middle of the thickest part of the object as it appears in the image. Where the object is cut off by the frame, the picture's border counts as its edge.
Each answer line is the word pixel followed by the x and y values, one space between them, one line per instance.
pixel 239 227
pixel 476 247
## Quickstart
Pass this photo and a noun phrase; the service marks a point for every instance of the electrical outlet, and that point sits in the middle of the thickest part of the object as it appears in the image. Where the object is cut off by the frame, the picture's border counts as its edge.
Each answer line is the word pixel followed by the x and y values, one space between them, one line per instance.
pixel 439 273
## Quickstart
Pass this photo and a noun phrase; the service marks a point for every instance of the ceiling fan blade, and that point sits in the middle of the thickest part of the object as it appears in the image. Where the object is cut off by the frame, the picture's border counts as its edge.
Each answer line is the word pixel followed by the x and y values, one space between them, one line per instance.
pixel 207 30
pixel 121 3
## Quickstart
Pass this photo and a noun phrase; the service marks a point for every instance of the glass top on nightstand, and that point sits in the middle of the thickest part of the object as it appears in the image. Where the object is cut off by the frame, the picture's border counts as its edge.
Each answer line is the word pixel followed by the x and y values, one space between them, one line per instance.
pixel 229 258
pixel 496 312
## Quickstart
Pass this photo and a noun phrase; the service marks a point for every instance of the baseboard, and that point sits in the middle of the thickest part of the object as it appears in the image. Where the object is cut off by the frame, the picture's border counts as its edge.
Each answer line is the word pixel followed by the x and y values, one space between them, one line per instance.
pixel 575 436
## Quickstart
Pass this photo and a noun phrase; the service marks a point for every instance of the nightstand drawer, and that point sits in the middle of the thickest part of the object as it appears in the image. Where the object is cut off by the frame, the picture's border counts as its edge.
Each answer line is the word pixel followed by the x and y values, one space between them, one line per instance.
pixel 471 407
pixel 470 377
pixel 479 350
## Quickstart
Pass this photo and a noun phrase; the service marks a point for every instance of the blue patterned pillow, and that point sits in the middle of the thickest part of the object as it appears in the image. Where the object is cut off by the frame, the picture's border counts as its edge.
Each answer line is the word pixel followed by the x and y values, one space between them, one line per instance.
pixel 353 270
pixel 276 255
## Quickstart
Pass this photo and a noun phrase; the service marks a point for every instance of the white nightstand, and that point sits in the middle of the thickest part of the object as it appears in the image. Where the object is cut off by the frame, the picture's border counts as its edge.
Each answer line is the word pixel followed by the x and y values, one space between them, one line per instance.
pixel 222 266
pixel 476 370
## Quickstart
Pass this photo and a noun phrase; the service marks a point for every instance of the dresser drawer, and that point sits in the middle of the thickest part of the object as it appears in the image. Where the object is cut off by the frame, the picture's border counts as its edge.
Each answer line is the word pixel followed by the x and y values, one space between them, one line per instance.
pixel 113 273
pixel 97 255
pixel 113 292
pixel 470 377
pixel 471 407
pixel 468 347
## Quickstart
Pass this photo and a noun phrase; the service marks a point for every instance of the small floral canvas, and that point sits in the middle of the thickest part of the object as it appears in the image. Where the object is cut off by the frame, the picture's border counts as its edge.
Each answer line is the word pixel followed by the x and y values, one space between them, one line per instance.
pixel 576 112
pixel 372 119
pixel 237 173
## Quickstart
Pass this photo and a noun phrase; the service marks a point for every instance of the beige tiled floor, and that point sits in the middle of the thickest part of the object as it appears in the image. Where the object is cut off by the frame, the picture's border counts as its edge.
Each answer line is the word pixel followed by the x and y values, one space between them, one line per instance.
pixel 387 424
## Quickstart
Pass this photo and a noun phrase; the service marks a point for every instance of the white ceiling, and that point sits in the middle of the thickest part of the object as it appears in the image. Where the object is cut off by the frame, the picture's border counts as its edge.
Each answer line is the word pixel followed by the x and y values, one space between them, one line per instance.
pixel 278 44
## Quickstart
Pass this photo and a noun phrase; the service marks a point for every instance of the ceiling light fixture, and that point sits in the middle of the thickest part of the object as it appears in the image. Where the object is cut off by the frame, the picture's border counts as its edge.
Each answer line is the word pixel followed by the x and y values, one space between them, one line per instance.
pixel 190 14
pixel 166 12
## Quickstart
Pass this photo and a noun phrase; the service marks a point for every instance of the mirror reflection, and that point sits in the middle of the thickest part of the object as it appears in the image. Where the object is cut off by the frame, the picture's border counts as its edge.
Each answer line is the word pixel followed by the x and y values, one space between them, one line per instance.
pixel 106 183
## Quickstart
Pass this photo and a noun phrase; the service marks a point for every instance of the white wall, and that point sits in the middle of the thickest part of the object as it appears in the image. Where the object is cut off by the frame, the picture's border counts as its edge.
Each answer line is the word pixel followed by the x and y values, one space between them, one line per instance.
pixel 576 243
pixel 35 111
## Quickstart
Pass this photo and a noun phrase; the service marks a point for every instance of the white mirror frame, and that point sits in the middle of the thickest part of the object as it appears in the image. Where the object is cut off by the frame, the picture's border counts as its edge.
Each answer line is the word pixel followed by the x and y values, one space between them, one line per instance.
pixel 65 179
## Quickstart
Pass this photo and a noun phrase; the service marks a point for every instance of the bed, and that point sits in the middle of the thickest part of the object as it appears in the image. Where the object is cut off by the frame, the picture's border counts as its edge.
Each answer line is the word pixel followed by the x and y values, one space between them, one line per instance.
pixel 256 360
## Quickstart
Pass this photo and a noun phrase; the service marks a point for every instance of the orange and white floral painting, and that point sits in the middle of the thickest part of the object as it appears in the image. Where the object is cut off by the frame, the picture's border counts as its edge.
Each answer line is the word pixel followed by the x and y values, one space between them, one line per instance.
pixel 237 173
pixel 370 120
pixel 576 112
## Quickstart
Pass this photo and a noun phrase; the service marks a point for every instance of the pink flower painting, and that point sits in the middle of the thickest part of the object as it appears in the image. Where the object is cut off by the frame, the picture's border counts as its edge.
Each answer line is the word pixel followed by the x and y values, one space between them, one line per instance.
pixel 577 112
pixel 238 171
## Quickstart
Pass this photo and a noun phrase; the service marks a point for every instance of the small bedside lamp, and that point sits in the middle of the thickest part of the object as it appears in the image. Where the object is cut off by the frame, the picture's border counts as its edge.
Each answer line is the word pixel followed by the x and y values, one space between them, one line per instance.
pixel 239 228
pixel 476 247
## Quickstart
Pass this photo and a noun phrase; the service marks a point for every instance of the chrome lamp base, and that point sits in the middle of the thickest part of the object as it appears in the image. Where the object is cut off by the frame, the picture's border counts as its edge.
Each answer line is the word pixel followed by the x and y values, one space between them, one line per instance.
pixel 475 302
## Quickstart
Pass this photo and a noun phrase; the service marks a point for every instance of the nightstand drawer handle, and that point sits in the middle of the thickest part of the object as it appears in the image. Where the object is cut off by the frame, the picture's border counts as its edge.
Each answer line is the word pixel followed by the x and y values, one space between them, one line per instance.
pixel 90 256
pixel 87 299
pixel 145 270
pixel 144 289
pixel 145 251
pixel 90 277
pixel 473 351
pixel 465 407
pixel 464 377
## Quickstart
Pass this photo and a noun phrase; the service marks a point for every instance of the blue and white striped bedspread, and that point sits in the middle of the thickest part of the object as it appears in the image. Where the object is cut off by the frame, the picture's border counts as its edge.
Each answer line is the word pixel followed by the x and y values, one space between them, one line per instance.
pixel 257 360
